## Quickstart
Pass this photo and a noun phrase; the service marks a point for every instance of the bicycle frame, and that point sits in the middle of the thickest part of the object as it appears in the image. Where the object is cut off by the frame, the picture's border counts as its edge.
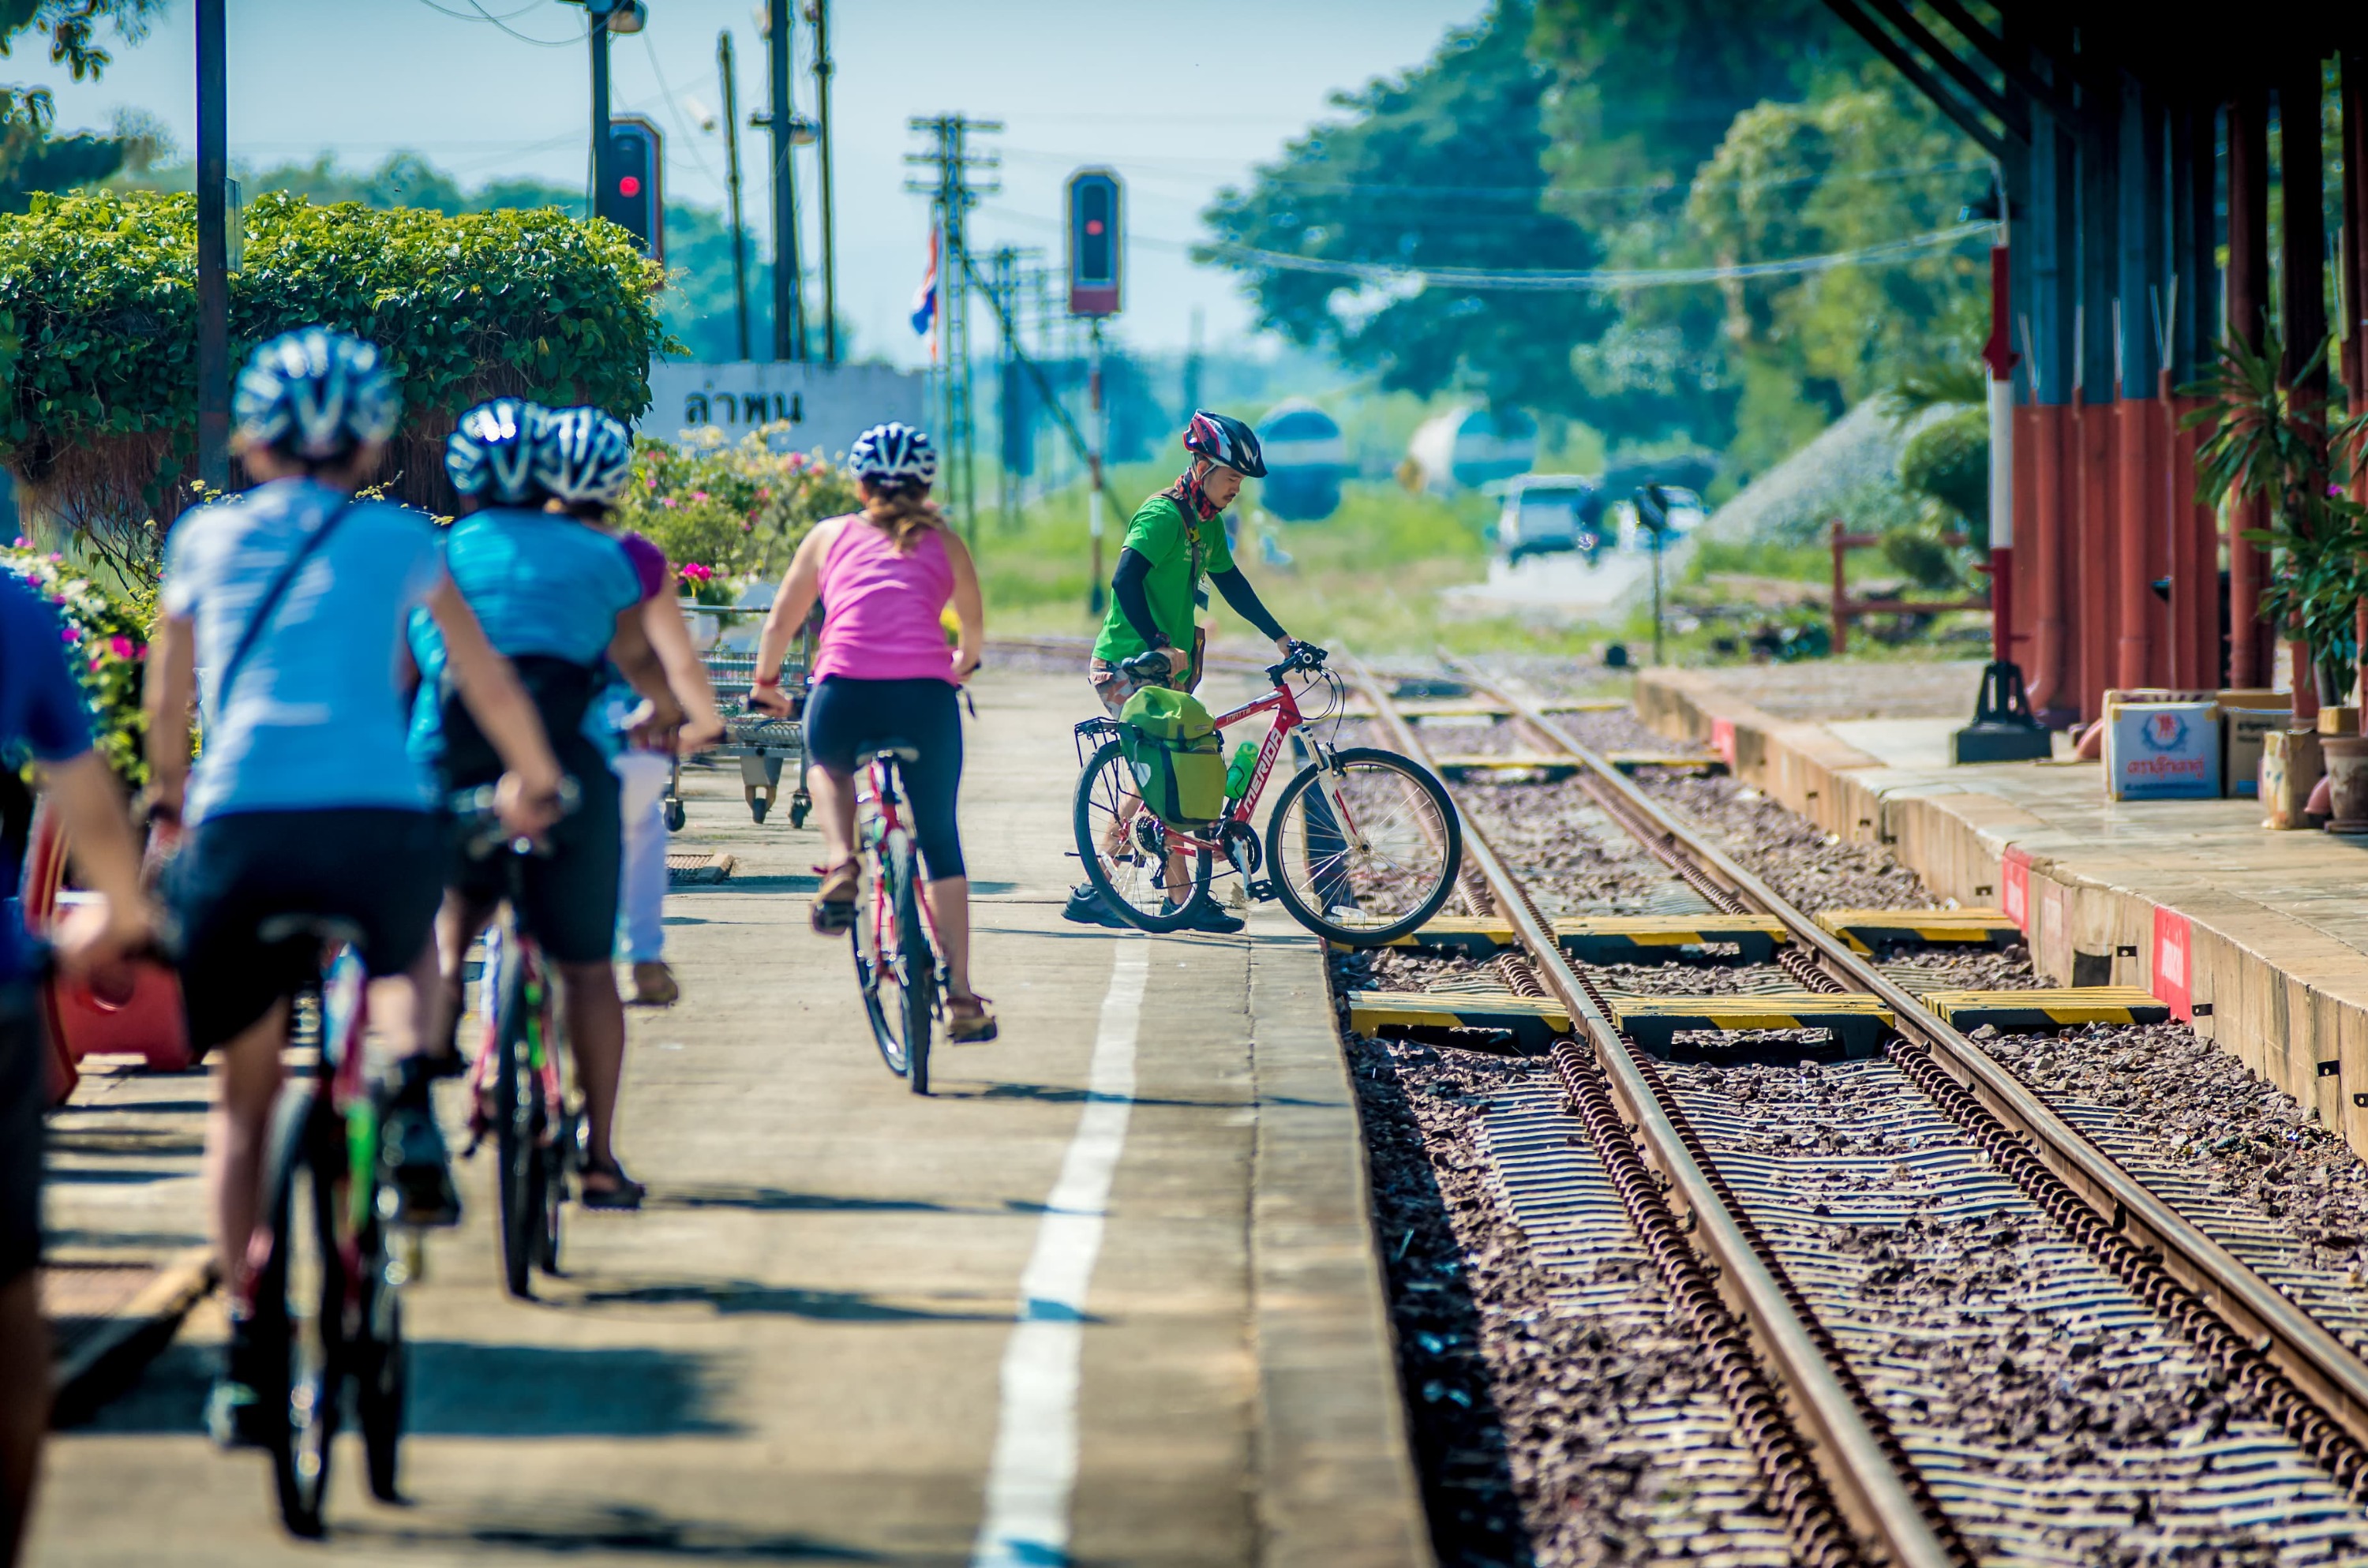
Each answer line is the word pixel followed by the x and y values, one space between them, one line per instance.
pixel 1284 702
pixel 541 1060
pixel 880 790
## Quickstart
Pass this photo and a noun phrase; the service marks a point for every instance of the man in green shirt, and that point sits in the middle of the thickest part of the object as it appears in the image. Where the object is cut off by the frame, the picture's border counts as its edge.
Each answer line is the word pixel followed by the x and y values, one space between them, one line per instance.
pixel 1174 539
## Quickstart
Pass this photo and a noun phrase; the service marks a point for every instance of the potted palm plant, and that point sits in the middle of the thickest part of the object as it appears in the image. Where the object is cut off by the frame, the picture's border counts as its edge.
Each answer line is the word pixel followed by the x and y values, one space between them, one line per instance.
pixel 2269 444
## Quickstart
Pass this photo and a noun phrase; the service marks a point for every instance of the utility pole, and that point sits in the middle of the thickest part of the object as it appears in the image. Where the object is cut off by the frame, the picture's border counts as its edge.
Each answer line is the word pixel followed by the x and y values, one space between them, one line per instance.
pixel 723 69
pixel 599 37
pixel 818 13
pixel 214 252
pixel 1098 431
pixel 1011 412
pixel 953 192
pixel 789 276
pixel 1192 367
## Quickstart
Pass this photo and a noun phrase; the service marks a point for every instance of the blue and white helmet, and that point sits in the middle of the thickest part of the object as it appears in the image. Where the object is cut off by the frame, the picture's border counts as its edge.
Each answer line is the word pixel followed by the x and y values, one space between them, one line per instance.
pixel 894 453
pixel 490 454
pixel 584 454
pixel 316 394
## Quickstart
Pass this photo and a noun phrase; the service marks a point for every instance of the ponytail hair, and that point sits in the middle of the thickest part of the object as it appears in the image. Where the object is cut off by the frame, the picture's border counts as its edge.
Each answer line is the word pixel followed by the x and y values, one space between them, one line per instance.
pixel 901 509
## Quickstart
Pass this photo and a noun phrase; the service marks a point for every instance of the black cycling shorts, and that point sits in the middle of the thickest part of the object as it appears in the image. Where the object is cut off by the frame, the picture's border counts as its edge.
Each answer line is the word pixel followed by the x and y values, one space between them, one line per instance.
pixel 567 897
pixel 24 1095
pixel 843 715
pixel 381 870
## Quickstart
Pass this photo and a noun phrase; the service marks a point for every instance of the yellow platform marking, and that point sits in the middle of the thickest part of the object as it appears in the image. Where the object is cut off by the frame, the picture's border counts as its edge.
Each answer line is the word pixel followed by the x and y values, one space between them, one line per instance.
pixel 2032 1010
pixel 1630 761
pixel 1480 935
pixel 1864 929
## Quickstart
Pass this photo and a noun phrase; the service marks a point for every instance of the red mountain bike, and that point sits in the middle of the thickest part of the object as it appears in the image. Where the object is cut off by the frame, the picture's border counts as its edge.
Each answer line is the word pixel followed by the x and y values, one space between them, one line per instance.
pixel 1362 845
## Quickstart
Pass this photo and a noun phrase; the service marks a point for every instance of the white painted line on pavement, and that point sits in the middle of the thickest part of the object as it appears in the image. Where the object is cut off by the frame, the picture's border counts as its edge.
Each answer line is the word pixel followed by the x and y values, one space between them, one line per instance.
pixel 1035 1468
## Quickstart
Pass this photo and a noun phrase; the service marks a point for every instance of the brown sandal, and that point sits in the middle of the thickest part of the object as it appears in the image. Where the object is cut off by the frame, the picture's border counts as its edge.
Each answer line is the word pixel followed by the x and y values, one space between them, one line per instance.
pixel 834 904
pixel 968 1022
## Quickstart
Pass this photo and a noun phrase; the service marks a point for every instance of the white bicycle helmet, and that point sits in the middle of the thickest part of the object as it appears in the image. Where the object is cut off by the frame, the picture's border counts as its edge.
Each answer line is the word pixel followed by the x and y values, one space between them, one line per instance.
pixel 584 454
pixel 894 453
pixel 316 394
pixel 490 454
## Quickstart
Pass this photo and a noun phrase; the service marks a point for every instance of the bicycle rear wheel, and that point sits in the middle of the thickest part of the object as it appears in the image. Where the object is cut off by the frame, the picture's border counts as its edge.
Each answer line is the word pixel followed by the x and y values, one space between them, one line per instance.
pixel 299 1307
pixel 518 1165
pixel 916 961
pixel 381 1384
pixel 1125 850
pixel 1379 866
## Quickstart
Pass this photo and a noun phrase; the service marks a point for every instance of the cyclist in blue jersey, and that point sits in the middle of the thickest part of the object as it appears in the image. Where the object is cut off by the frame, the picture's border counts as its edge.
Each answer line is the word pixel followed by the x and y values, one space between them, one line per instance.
pixel 42 714
pixel 290 603
pixel 560 599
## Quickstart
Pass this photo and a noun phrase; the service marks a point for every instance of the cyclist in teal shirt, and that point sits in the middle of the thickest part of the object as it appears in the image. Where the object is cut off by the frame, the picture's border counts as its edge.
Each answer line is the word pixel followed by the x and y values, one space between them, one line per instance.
pixel 560 598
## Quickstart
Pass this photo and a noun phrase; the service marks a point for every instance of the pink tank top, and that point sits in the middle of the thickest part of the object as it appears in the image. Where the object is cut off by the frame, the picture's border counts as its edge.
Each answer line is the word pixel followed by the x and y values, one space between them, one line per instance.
pixel 880 610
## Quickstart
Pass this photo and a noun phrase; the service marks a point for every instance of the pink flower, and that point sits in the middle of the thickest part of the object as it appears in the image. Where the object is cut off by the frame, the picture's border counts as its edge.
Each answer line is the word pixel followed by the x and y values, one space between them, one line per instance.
pixel 122 647
pixel 699 494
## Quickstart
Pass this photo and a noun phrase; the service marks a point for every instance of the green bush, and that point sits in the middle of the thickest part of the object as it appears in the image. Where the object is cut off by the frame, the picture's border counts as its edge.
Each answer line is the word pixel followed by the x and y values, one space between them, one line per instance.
pixel 1949 461
pixel 106 642
pixel 99 333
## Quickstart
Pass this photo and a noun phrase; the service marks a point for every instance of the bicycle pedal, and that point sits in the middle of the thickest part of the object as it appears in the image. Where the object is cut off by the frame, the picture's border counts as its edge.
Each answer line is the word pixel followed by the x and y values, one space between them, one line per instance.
pixel 1262 889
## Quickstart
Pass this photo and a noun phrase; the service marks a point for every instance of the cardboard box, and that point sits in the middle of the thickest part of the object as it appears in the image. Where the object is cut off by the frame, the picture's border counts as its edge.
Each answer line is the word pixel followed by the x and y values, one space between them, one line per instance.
pixel 2158 751
pixel 2246 716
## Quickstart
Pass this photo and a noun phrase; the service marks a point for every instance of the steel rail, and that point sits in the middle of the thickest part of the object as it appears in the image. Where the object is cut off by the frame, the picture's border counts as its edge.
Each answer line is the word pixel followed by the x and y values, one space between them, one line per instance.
pixel 1855 1462
pixel 2272 1324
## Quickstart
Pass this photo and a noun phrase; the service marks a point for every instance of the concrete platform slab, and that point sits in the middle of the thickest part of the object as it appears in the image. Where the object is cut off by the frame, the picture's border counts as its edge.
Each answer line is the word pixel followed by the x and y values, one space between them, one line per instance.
pixel 814 1342
pixel 2258 938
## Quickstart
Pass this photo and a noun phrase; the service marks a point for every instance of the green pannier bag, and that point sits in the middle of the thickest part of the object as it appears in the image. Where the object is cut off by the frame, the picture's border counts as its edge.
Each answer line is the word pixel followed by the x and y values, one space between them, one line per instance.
pixel 1179 763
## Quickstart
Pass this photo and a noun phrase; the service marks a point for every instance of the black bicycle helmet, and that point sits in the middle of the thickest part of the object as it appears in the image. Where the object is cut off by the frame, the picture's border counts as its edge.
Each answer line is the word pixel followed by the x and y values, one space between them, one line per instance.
pixel 1226 441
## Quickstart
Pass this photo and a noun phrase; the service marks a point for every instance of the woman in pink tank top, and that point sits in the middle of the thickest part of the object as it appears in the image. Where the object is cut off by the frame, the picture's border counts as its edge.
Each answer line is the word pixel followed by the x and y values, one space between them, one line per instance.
pixel 881 673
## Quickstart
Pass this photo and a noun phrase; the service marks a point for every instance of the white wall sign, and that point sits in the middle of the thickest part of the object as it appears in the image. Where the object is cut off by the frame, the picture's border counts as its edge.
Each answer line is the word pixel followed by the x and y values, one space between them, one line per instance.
pixel 829 404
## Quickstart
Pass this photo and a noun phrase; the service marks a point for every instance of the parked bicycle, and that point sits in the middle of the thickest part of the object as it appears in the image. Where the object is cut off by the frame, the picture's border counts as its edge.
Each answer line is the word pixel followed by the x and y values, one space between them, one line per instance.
pixel 515 1089
pixel 327 1292
pixel 1362 845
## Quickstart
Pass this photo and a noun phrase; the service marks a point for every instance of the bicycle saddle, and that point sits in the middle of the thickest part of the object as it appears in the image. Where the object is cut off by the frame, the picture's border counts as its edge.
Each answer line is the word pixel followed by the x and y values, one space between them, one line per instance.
pixel 901 751
pixel 330 929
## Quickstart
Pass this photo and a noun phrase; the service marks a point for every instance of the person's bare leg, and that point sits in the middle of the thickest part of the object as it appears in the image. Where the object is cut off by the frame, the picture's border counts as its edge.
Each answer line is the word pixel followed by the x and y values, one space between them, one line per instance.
pixel 949 903
pixel 405 1009
pixel 457 921
pixel 24 1405
pixel 834 794
pixel 596 1033
pixel 245 1083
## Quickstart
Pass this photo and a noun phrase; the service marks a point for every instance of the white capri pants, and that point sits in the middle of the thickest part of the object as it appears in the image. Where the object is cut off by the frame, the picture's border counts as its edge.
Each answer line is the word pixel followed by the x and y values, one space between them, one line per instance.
pixel 642 883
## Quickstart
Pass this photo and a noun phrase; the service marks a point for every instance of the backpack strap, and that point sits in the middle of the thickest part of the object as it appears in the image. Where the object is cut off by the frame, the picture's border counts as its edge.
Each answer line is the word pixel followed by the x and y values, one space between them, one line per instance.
pixel 264 606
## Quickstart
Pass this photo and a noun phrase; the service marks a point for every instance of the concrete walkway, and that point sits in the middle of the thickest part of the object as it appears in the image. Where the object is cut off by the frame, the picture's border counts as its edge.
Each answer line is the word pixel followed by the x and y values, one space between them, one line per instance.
pixel 798 1350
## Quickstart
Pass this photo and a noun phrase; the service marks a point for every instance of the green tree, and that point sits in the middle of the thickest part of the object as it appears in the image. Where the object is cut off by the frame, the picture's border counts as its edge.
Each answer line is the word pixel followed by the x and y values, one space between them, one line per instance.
pixel 1442 167
pixel 31 158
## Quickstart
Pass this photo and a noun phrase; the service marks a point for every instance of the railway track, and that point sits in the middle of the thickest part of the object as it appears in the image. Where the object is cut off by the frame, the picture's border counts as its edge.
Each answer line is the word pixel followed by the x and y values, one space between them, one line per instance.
pixel 1946 1324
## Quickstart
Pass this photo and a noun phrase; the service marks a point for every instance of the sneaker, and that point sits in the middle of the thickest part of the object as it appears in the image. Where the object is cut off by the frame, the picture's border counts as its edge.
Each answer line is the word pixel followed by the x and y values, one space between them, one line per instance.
pixel 235 1413
pixel 1204 914
pixel 655 986
pixel 422 1165
pixel 1087 908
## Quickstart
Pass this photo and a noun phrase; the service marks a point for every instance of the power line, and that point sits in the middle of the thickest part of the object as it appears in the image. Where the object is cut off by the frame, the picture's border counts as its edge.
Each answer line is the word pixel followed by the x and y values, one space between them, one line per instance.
pixel 481 14
pixel 1595 280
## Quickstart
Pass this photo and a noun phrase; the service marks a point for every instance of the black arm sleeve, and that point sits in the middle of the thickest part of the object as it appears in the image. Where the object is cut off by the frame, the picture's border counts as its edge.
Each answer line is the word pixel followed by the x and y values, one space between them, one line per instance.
pixel 1126 588
pixel 1245 600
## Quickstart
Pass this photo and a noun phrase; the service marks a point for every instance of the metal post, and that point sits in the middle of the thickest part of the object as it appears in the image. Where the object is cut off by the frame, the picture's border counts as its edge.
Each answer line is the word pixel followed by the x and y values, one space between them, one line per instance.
pixel 2248 309
pixel 600 10
pixel 789 277
pixel 2095 553
pixel 1095 427
pixel 2137 245
pixel 2303 259
pixel 213 256
pixel 2050 242
pixel 724 68
pixel 819 14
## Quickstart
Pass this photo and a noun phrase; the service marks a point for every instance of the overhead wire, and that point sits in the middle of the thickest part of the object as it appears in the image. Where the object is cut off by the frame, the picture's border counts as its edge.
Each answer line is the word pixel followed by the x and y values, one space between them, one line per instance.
pixel 479 14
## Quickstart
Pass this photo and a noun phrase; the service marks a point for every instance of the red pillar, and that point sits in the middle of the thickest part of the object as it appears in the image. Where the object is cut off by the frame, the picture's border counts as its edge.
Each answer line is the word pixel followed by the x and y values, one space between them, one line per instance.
pixel 2095 555
pixel 2194 550
pixel 2024 641
pixel 2249 305
pixel 2303 258
pixel 2050 427
pixel 2134 422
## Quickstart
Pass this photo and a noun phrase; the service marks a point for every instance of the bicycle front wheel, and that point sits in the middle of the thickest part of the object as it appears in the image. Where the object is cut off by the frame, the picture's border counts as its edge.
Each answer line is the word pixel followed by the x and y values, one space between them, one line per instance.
pixel 916 961
pixel 1379 865
pixel 1126 849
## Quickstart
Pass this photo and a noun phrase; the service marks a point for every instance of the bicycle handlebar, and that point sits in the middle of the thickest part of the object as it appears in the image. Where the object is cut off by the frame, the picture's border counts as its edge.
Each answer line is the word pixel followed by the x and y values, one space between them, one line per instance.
pixel 481 825
pixel 1152 665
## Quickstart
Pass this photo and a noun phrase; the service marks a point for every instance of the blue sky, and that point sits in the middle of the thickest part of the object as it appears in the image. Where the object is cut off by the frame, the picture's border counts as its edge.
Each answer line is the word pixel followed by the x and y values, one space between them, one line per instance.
pixel 1181 98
